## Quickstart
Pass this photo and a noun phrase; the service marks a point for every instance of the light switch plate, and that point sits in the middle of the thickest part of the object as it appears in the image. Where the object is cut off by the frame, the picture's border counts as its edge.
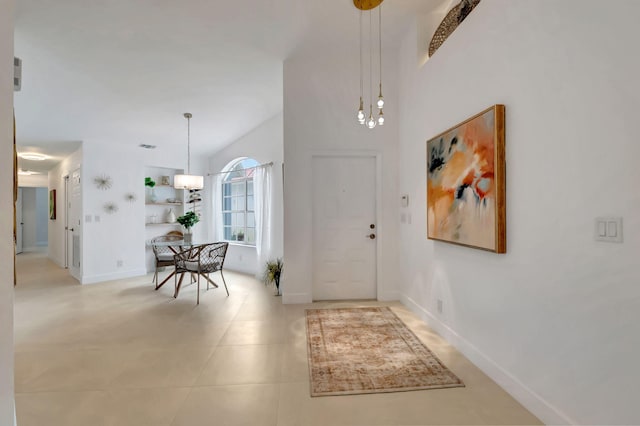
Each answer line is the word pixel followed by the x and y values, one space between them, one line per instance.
pixel 609 229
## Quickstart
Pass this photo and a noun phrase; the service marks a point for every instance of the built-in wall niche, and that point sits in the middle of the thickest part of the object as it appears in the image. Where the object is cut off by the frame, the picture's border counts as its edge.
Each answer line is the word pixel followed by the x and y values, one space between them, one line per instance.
pixel 163 202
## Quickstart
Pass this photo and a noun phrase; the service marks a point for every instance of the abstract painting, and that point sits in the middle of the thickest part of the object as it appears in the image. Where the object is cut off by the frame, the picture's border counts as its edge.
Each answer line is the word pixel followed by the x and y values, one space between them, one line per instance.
pixel 466 183
pixel 52 204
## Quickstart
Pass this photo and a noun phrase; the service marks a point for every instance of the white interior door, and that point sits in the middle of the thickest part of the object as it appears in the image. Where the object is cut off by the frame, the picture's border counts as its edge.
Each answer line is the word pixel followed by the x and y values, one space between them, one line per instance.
pixel 344 228
pixel 73 220
pixel 19 223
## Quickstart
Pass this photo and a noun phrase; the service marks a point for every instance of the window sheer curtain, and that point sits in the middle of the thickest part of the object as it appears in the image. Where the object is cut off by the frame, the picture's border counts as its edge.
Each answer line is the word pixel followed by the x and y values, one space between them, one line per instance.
pixel 216 232
pixel 262 180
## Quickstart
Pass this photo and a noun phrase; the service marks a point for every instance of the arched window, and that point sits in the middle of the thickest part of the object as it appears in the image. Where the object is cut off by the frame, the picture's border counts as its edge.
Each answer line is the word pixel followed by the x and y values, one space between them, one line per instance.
pixel 238 215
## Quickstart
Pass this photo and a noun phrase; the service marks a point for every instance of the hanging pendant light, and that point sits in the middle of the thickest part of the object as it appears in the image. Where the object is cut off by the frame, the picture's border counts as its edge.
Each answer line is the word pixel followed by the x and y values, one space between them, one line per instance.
pixel 188 181
pixel 380 97
pixel 361 116
pixel 370 121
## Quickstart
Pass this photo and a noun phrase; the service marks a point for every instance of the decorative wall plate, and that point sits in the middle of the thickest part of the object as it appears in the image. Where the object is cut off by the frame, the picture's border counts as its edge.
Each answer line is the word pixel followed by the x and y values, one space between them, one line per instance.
pixel 110 208
pixel 103 182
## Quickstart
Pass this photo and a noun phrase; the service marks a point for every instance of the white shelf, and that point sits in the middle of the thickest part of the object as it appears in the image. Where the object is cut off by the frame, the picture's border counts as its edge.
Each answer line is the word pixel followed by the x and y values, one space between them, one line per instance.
pixel 162 223
pixel 163 204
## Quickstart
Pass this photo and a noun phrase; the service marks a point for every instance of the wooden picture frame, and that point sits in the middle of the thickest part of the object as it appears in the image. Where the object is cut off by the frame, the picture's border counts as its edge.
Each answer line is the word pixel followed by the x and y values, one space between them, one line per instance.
pixel 52 204
pixel 466 194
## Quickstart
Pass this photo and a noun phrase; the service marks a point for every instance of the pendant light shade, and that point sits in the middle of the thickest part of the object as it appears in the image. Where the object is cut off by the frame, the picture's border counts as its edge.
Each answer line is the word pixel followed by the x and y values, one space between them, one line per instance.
pixel 188 181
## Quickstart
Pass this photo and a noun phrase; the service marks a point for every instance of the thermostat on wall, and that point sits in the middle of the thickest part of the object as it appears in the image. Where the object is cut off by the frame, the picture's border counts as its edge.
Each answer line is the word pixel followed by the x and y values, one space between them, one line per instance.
pixel 404 200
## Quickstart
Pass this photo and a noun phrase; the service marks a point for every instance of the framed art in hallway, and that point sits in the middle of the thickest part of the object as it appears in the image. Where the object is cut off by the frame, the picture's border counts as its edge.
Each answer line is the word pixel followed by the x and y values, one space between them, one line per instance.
pixel 466 183
pixel 52 204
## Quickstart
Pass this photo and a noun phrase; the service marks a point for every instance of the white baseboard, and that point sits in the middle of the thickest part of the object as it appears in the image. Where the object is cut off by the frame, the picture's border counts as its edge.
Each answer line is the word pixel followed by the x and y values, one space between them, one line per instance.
pixel 389 296
pixel 94 279
pixel 295 298
pixel 59 262
pixel 518 390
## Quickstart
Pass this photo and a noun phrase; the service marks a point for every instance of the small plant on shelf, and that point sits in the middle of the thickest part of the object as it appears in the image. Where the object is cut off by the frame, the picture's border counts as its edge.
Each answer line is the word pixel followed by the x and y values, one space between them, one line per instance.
pixel 240 236
pixel 151 183
pixel 272 273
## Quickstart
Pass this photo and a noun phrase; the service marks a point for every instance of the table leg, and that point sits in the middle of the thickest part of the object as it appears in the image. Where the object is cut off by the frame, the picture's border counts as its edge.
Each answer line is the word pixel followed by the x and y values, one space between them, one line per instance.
pixel 165 280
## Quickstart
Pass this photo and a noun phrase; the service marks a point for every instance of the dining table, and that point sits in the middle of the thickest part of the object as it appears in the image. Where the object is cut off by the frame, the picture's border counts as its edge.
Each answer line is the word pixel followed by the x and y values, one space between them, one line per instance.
pixel 177 247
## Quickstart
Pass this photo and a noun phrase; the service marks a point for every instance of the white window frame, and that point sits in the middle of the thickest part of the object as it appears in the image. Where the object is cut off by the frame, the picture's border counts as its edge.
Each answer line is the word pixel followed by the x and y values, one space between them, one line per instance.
pixel 245 180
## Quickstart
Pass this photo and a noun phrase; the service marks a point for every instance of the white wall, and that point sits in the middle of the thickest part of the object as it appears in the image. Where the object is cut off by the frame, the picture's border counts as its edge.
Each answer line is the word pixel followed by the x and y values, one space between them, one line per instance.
pixel 556 320
pixel 321 93
pixel 35 215
pixel 31 181
pixel 119 236
pixel 42 216
pixel 57 234
pixel 6 215
pixel 264 144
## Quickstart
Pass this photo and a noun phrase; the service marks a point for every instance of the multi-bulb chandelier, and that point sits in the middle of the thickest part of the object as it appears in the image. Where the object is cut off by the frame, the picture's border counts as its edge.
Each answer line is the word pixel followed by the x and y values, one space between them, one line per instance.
pixel 371 121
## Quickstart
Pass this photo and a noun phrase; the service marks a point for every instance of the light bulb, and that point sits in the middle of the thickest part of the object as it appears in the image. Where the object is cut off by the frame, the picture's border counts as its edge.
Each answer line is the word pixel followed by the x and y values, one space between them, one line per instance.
pixel 371 123
pixel 361 116
pixel 381 119
pixel 380 102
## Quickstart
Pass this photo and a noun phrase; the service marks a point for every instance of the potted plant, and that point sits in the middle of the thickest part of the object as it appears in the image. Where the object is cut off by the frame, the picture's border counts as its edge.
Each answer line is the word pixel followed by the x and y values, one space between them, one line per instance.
pixel 240 236
pixel 188 220
pixel 272 273
pixel 151 183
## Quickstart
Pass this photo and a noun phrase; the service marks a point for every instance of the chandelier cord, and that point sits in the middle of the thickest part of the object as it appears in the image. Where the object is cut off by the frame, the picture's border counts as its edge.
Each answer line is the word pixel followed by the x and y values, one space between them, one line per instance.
pixel 188 145
pixel 361 77
pixel 370 64
pixel 380 41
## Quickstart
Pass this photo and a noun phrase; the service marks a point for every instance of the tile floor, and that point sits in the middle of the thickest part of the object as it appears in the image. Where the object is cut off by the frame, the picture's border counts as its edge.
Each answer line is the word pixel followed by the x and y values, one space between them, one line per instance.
pixel 120 353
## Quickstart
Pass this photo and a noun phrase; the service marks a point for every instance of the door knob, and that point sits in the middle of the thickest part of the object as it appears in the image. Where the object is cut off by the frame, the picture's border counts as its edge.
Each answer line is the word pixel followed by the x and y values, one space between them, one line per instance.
pixel 71 229
pixel 371 236
pixel 372 226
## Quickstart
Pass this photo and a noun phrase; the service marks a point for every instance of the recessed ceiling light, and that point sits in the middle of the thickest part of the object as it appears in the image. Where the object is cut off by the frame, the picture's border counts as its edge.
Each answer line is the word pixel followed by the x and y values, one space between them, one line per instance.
pixel 34 156
pixel 147 146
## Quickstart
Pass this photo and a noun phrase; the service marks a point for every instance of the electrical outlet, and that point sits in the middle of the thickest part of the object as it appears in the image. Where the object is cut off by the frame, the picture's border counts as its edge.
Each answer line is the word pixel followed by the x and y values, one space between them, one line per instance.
pixel 440 306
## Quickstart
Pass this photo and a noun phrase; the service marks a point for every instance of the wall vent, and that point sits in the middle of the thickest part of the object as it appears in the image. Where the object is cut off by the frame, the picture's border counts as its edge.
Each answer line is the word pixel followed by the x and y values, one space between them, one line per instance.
pixel 17 74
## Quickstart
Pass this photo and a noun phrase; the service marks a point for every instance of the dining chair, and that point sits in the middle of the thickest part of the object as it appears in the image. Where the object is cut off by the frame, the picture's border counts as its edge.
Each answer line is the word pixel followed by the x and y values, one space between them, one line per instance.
pixel 202 260
pixel 164 254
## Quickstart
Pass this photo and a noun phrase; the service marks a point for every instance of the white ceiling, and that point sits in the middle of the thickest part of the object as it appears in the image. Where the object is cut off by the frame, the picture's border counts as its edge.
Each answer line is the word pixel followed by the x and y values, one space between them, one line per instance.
pixel 125 71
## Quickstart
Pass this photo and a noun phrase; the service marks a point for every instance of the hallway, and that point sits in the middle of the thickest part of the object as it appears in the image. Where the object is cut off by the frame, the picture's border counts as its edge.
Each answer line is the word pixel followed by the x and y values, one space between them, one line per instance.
pixel 119 353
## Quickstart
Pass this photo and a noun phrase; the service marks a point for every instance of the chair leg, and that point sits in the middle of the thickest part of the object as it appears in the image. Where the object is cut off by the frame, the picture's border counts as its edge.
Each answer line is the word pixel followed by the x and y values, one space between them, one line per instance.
pixel 175 285
pixel 225 283
pixel 198 297
pixel 179 284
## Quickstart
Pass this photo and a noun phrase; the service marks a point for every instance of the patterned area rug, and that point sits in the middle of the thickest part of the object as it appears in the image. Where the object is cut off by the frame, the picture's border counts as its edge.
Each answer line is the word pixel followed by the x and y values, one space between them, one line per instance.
pixel 369 350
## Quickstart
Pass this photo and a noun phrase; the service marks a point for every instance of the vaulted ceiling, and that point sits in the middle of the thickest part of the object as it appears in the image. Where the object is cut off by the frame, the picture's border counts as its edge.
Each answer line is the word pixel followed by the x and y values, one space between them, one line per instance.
pixel 122 71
